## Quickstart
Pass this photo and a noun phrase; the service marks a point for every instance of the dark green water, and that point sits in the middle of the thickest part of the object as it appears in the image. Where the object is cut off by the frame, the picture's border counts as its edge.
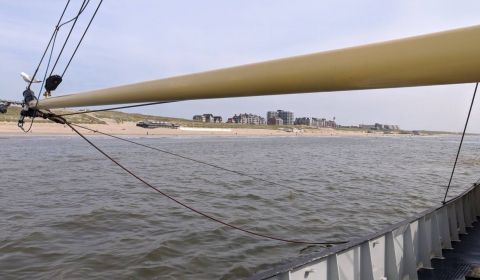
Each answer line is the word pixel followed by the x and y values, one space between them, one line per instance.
pixel 68 213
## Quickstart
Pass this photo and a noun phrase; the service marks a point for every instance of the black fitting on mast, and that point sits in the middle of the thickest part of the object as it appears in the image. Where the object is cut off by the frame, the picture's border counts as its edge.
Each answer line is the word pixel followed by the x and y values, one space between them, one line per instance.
pixel 51 84
pixel 35 113
pixel 28 96
pixel 52 117
pixel 4 107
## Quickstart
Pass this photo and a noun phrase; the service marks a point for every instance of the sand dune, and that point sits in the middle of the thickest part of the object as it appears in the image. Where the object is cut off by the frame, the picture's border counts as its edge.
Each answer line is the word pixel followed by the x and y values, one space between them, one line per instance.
pixel 129 128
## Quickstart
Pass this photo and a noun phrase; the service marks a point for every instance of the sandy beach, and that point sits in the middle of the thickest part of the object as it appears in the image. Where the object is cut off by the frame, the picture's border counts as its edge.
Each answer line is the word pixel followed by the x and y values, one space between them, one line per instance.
pixel 130 128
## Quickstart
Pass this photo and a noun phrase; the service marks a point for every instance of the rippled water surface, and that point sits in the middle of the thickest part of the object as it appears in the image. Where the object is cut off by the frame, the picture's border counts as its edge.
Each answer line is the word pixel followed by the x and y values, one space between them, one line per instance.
pixel 66 212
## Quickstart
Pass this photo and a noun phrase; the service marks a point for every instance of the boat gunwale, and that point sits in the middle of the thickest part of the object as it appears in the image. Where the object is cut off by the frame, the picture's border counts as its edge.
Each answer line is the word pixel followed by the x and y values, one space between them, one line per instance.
pixel 304 260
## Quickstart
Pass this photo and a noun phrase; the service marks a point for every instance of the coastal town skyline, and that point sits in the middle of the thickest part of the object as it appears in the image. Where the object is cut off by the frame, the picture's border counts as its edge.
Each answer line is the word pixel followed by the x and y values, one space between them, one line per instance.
pixel 283 117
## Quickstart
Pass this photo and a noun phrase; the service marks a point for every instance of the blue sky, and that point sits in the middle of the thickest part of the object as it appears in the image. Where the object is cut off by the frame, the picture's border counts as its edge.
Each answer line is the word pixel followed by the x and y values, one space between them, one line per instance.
pixel 131 41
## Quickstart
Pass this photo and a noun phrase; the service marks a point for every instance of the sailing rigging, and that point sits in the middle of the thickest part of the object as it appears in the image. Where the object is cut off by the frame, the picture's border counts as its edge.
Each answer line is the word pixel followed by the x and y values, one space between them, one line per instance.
pixel 380 65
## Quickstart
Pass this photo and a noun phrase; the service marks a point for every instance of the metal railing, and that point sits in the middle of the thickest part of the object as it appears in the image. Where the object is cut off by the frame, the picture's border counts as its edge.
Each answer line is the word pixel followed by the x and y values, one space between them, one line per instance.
pixel 396 252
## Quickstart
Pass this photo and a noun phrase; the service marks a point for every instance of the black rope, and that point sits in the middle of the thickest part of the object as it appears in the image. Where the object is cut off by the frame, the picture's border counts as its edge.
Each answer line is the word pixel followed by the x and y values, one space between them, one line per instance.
pixel 197 161
pixel 68 36
pixel 55 33
pixel 72 19
pixel 52 42
pixel 53 38
pixel 115 108
pixel 461 142
pixel 61 120
pixel 43 80
pixel 48 45
pixel 57 29
pixel 83 35
pixel 46 69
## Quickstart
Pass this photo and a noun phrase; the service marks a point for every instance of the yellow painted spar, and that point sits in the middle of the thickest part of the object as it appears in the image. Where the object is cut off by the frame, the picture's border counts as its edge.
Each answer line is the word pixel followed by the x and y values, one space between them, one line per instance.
pixel 448 57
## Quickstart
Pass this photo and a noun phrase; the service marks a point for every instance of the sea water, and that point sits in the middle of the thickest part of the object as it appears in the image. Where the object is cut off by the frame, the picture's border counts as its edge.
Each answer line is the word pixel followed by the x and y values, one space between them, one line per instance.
pixel 66 212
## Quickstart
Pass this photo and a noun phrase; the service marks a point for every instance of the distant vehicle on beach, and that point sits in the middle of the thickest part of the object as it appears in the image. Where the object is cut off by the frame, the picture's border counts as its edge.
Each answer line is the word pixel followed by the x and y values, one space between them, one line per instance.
pixel 154 124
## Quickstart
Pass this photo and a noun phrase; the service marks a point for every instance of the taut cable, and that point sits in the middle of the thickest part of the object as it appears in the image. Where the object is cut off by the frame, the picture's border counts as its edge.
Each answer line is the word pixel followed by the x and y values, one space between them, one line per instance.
pixel 460 145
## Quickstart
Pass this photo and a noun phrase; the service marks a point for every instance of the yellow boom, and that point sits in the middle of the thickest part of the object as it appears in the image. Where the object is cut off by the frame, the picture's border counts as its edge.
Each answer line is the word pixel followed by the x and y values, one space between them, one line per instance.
pixel 448 57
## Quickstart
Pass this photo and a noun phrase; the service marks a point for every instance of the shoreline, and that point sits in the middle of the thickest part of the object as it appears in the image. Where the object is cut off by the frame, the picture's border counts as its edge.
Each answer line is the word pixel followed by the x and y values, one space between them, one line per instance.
pixel 130 129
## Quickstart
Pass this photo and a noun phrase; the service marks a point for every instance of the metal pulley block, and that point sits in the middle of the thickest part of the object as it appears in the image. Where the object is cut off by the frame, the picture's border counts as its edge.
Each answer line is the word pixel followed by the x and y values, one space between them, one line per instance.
pixel 51 83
